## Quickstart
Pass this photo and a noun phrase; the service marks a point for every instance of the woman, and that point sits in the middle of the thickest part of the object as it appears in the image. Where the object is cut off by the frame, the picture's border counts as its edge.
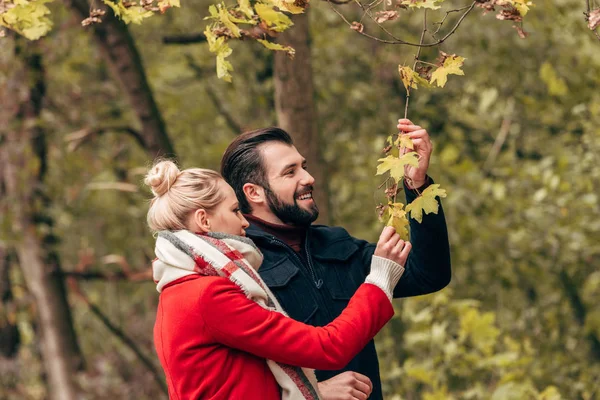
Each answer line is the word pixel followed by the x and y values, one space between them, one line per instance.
pixel 220 333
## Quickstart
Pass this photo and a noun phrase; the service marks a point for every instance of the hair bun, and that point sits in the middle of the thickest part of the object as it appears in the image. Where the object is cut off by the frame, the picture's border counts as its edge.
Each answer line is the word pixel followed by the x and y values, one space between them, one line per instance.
pixel 161 177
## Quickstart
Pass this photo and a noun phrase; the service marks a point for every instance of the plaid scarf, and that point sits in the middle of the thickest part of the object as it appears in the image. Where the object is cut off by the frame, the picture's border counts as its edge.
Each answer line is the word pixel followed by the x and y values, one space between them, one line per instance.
pixel 183 253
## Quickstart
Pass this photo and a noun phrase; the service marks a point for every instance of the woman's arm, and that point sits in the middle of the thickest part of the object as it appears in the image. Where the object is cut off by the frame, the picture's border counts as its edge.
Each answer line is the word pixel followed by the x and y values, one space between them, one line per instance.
pixel 238 322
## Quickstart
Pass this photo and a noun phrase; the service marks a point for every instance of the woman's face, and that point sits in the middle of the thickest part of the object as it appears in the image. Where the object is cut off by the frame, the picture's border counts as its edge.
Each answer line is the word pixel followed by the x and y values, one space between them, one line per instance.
pixel 227 217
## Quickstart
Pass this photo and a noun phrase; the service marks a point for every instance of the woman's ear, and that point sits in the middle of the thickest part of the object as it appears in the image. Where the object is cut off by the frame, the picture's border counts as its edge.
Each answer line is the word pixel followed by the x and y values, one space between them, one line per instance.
pixel 199 221
pixel 254 194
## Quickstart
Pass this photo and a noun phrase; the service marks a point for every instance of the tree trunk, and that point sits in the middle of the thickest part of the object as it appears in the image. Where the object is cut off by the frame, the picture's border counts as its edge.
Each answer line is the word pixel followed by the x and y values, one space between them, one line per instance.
pixel 295 105
pixel 124 61
pixel 22 165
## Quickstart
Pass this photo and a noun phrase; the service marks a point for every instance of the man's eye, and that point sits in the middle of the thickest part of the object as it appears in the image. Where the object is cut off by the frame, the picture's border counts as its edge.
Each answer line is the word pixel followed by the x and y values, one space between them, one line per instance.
pixel 290 172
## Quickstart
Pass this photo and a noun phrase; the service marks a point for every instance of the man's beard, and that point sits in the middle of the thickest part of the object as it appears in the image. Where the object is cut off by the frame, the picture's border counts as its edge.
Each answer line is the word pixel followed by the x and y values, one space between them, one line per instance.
pixel 292 214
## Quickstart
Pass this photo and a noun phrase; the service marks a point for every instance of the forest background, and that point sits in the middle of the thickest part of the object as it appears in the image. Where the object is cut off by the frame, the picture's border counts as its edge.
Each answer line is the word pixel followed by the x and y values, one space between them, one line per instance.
pixel 516 145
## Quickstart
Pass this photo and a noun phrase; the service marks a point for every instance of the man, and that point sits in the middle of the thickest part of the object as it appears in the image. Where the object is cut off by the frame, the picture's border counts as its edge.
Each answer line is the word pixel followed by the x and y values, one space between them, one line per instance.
pixel 313 270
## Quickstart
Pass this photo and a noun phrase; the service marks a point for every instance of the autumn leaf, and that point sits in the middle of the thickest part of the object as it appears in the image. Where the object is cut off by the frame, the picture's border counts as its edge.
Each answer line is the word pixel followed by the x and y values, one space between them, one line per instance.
pixel 277 47
pixel 522 6
pixel 395 165
pixel 164 5
pixel 430 4
pixel 275 20
pixel 27 18
pixel 288 6
pixel 219 46
pixel 383 16
pixel 410 78
pixel 404 141
pixel 451 66
pixel 357 26
pixel 246 8
pixel 398 219
pixel 426 202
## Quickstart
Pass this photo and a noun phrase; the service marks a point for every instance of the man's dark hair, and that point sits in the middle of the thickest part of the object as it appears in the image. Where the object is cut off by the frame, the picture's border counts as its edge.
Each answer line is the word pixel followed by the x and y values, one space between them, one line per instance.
pixel 242 162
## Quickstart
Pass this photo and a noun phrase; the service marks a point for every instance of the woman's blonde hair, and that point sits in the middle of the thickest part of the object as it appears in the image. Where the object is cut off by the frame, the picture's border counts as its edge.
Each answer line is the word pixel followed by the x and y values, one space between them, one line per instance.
pixel 179 193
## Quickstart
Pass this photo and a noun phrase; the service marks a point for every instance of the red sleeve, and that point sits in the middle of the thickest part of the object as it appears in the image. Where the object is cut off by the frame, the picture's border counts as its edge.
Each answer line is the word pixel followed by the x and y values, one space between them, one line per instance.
pixel 238 322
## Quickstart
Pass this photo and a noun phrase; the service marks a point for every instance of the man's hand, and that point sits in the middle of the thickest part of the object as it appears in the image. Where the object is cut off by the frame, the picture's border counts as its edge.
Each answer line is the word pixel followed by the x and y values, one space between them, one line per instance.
pixel 392 247
pixel 346 386
pixel 416 176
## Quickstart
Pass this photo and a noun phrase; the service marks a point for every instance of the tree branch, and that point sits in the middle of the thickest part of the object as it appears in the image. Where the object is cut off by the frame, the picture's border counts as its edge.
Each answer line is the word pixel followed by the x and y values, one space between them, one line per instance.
pixel 122 336
pixel 77 138
pixel 416 61
pixel 403 42
pixel 185 39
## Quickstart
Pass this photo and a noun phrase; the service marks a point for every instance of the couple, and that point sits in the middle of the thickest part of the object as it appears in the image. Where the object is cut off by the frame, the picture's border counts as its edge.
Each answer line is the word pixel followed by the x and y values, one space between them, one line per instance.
pixel 222 329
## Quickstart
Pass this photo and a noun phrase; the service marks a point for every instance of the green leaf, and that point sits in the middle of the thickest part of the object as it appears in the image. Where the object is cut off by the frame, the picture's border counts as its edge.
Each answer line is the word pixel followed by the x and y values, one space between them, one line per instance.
pixel 245 7
pixel 219 46
pixel 28 18
pixel 133 14
pixel 396 165
pixel 277 47
pixel 452 65
pixel 522 6
pixel 275 20
pixel 426 202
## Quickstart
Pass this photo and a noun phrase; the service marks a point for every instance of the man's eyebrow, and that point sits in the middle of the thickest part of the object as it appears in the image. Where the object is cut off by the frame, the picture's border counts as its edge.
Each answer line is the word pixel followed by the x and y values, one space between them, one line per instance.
pixel 291 165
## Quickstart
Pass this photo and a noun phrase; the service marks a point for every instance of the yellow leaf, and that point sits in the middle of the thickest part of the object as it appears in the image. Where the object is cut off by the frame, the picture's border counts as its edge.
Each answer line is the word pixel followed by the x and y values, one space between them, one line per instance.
pixel 163 5
pixel 28 18
pixel 426 202
pixel 219 46
pixel 277 47
pixel 396 165
pixel 410 78
pixel 246 8
pixel 522 6
pixel 288 6
pixel 404 141
pixel 275 20
pixel 225 18
pixel 431 4
pixel 398 219
pixel 451 65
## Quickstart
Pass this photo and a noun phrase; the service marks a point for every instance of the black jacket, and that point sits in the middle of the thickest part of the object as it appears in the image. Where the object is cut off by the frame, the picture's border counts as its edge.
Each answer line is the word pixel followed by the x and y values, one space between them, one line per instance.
pixel 316 287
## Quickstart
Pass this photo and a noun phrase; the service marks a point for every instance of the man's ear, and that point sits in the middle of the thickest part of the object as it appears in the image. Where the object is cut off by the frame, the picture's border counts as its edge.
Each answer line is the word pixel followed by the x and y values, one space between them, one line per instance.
pixel 254 193
pixel 199 221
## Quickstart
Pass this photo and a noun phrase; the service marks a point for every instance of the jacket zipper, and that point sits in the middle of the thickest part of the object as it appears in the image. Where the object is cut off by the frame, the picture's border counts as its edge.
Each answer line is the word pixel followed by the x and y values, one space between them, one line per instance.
pixel 316 280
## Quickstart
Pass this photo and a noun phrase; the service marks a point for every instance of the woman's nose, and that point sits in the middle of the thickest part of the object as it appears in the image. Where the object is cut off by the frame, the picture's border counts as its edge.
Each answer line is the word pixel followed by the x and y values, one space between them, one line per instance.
pixel 245 223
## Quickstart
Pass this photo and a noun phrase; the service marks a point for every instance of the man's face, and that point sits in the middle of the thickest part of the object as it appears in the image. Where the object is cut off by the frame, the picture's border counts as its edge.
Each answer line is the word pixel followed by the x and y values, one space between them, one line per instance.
pixel 290 186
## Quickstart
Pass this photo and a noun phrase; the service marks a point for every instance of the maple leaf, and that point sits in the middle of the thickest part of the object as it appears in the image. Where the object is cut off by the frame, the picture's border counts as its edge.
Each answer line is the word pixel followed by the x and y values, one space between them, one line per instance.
pixel 451 65
pixel 398 219
pixel 410 78
pixel 404 141
pixel 396 165
pixel 426 202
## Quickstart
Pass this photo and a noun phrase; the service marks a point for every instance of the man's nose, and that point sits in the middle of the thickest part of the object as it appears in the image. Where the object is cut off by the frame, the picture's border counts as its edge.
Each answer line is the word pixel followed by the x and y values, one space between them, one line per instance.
pixel 307 179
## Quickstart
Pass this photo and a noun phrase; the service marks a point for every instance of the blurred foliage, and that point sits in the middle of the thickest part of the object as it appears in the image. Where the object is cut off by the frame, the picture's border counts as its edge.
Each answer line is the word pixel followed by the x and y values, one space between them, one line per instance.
pixel 516 145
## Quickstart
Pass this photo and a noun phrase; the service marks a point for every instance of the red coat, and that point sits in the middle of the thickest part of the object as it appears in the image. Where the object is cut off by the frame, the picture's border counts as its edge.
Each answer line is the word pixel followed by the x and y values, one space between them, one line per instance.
pixel 212 341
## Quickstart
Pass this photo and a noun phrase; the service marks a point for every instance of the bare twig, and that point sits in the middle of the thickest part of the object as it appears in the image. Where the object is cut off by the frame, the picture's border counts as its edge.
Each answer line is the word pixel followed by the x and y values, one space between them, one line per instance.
pixel 77 138
pixel 502 135
pixel 403 42
pixel 416 61
pixel 122 336
pixel 235 126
